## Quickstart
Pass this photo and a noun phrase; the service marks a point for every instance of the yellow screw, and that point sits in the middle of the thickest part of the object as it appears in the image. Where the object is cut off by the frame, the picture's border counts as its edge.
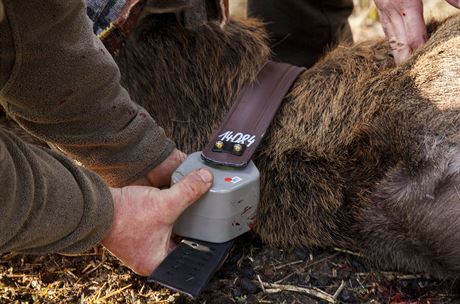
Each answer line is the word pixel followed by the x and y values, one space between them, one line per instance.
pixel 237 148
pixel 219 145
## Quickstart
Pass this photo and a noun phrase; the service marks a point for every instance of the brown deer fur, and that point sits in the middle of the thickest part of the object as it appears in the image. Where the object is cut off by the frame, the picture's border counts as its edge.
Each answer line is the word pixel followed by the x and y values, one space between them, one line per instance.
pixel 362 154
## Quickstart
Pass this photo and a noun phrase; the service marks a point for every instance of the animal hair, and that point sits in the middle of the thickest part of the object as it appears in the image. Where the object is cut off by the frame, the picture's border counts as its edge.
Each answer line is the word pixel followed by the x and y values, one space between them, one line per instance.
pixel 362 154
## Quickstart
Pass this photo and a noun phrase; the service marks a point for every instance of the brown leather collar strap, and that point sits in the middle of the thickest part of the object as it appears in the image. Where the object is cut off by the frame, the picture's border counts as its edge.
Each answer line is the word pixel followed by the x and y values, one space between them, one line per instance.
pixel 247 121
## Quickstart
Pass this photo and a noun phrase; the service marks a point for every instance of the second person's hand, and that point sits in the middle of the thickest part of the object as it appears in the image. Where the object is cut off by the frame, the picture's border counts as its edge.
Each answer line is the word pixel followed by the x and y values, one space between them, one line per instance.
pixel 403 24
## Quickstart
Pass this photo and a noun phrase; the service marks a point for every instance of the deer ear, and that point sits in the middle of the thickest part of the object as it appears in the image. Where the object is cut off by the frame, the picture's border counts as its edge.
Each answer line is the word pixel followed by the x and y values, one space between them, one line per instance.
pixel 217 10
pixel 202 11
pixel 167 6
pixel 194 12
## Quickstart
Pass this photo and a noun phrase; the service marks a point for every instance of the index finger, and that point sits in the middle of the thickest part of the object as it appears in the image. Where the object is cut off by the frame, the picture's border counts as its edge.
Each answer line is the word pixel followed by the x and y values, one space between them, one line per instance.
pixel 414 24
pixel 403 23
pixel 395 31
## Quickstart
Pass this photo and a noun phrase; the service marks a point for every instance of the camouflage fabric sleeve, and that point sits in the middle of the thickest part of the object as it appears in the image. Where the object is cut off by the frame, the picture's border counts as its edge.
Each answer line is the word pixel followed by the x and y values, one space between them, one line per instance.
pixel 63 87
pixel 47 203
pixel 103 12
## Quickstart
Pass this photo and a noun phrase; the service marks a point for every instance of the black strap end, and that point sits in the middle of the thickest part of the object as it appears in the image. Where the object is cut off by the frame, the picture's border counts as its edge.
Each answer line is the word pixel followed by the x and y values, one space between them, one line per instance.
pixel 190 266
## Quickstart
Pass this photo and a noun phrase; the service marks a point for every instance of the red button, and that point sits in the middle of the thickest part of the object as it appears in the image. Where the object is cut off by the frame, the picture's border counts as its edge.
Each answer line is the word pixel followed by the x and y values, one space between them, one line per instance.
pixel 228 179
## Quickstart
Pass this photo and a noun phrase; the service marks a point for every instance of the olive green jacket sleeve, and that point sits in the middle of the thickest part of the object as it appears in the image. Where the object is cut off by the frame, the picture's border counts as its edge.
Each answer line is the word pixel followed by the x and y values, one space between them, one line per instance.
pixel 48 203
pixel 61 85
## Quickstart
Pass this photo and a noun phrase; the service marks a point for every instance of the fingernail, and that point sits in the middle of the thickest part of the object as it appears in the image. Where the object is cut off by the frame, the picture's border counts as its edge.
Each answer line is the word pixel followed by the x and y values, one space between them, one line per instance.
pixel 205 175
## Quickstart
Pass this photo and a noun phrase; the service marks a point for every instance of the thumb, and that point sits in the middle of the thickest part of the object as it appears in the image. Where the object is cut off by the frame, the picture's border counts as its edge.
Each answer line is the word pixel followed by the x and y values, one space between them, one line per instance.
pixel 181 195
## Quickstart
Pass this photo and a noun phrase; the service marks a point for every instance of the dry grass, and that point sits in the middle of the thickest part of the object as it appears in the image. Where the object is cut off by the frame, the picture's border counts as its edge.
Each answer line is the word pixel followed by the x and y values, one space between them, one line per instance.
pixel 253 273
pixel 91 277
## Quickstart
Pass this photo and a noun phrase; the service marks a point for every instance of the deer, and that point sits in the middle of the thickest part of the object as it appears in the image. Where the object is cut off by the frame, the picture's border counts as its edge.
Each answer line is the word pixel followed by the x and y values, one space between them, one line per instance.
pixel 362 154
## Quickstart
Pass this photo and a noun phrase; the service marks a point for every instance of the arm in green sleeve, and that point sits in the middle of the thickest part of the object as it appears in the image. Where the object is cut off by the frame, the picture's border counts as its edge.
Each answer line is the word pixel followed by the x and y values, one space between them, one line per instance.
pixel 63 87
pixel 47 203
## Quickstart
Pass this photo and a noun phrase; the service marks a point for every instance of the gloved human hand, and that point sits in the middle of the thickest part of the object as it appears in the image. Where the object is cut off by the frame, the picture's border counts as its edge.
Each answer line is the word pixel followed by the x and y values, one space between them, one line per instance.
pixel 160 176
pixel 403 24
pixel 140 235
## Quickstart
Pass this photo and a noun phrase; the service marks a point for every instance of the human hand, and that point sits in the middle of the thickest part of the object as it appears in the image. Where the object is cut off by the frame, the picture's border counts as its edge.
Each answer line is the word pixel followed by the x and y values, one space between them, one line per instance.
pixel 143 219
pixel 403 24
pixel 160 176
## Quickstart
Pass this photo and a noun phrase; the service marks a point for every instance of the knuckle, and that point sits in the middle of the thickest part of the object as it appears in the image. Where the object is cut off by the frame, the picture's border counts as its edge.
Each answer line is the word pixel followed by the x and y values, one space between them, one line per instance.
pixel 178 156
pixel 396 44
pixel 192 188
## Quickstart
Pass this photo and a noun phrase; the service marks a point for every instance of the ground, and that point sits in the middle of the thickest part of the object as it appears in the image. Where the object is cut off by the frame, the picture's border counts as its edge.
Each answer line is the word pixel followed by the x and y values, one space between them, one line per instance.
pixel 253 273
